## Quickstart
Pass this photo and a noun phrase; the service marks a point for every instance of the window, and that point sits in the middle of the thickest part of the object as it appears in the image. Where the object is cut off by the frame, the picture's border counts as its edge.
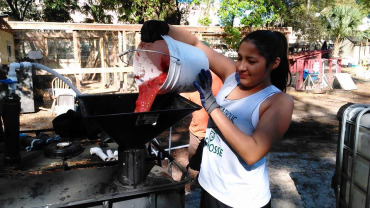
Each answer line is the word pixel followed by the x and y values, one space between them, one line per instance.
pixel 9 48
pixel 9 51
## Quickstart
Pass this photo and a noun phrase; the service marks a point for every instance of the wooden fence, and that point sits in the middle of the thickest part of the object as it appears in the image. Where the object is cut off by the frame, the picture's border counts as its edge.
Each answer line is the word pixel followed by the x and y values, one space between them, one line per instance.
pixel 84 50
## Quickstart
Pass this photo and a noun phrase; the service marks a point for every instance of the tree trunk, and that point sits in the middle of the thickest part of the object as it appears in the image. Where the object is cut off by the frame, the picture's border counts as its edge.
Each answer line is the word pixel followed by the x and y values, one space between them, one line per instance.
pixel 336 47
pixel 308 5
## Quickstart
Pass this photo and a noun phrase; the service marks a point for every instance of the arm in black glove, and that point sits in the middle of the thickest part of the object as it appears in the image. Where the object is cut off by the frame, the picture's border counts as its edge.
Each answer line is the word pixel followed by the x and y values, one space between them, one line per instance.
pixel 153 30
pixel 205 90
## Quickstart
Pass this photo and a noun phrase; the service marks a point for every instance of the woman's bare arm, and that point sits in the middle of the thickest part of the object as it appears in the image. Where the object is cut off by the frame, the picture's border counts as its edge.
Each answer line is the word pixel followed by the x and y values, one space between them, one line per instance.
pixel 274 122
pixel 221 65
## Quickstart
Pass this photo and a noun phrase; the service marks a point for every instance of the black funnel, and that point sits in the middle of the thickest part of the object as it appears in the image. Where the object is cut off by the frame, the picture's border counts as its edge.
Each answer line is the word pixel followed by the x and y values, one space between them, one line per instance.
pixel 114 114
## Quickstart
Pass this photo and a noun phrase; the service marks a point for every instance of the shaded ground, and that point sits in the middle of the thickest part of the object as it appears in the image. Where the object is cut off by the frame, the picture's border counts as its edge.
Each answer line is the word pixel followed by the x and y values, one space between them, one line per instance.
pixel 300 165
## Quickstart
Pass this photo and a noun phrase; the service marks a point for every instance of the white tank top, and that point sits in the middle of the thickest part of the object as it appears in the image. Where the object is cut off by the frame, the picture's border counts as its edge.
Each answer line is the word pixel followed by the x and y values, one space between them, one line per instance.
pixel 224 174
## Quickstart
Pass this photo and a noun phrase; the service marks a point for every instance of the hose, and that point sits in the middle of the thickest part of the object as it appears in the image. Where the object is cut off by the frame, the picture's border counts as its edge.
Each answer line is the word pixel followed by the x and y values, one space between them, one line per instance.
pixel 40 66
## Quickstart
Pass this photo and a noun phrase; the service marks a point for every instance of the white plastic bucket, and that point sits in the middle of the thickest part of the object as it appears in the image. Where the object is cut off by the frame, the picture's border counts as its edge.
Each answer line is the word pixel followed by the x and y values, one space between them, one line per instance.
pixel 185 62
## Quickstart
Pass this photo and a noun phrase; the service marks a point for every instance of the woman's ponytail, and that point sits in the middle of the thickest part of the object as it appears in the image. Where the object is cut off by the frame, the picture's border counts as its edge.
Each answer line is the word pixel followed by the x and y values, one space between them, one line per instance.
pixel 281 76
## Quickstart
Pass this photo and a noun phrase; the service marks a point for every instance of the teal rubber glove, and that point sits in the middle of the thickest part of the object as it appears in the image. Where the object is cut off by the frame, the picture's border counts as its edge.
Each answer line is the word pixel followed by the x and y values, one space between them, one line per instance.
pixel 152 30
pixel 205 90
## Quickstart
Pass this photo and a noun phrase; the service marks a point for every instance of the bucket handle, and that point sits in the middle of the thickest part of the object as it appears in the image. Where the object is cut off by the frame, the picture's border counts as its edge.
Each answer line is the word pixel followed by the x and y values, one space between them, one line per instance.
pixel 120 55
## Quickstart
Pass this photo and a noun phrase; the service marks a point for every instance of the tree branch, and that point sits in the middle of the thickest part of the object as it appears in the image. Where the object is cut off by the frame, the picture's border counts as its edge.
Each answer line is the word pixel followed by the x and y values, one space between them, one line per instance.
pixel 25 8
pixel 14 10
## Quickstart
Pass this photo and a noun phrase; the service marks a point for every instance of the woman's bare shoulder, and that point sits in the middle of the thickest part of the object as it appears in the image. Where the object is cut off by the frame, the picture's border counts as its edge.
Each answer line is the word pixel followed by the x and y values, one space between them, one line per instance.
pixel 278 102
pixel 282 98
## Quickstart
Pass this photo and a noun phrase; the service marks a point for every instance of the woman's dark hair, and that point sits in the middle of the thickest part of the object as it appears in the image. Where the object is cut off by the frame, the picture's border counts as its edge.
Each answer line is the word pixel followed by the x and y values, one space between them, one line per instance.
pixel 272 45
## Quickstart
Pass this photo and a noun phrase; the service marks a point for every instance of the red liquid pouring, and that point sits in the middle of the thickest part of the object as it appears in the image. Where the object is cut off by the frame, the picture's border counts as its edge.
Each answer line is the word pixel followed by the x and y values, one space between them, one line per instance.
pixel 155 64
pixel 148 90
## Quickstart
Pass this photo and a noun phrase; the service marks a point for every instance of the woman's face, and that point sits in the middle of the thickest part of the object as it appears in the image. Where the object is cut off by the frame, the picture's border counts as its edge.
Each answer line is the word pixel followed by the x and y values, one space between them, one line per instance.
pixel 251 67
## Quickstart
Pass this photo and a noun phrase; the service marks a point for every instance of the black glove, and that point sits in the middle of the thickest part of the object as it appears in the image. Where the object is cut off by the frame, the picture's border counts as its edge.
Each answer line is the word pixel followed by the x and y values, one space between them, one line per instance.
pixel 153 30
pixel 205 90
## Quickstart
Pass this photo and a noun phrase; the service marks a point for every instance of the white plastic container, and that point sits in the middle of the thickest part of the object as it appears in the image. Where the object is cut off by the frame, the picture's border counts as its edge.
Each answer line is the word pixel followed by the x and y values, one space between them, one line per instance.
pixel 361 171
pixel 358 198
pixel 363 144
pixel 184 62
pixel 354 140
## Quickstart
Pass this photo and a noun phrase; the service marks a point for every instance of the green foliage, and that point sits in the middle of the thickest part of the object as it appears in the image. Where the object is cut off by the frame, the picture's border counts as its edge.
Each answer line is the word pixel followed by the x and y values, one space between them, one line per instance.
pixel 366 33
pixel 342 21
pixel 304 17
pixel 206 21
pixel 233 37
pixel 129 11
pixel 137 11
pixel 98 11
pixel 3 6
pixel 365 6
pixel 205 6
pixel 231 9
pixel 59 10
pixel 251 13
pixel 20 10
pixel 257 13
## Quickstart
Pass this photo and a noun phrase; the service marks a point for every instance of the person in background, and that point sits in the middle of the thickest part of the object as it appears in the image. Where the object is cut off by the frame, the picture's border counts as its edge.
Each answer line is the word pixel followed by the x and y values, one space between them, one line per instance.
pixel 248 116
pixel 198 125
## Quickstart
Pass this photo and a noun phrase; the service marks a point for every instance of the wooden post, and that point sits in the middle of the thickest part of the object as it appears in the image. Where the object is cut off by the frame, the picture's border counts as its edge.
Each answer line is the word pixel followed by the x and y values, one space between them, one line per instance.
pixel 124 44
pixel 106 58
pixel 321 70
pixel 114 49
pixel 95 43
pixel 116 76
pixel 300 66
pixel 77 57
pixel 120 46
pixel 330 69
pixel 102 58
pixel 120 50
pixel 339 65
pixel 124 48
pixel 55 54
pixel 137 39
pixel 46 50
pixel 359 54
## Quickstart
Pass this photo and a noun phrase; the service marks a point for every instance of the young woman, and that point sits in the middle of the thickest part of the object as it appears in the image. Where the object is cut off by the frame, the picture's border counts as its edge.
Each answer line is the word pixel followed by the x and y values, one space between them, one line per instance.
pixel 249 114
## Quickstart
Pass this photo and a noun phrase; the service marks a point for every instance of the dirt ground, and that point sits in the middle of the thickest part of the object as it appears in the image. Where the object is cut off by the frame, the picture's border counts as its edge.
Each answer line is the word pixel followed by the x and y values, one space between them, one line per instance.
pixel 300 165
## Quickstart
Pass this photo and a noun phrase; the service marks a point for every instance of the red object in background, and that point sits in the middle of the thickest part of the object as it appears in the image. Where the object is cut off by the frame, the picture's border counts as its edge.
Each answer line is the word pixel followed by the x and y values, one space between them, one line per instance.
pixel 148 90
pixel 306 59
